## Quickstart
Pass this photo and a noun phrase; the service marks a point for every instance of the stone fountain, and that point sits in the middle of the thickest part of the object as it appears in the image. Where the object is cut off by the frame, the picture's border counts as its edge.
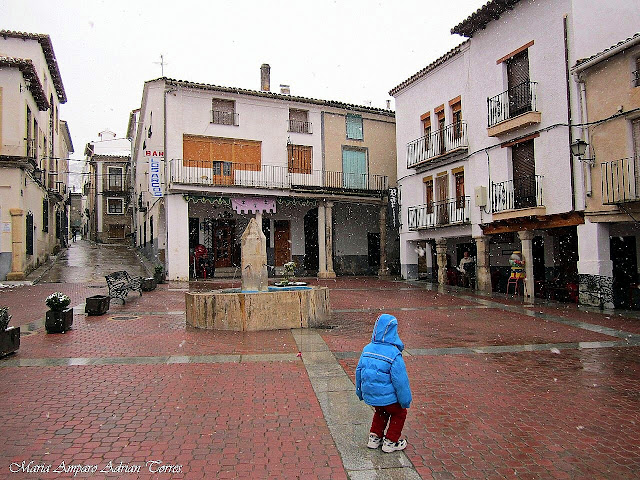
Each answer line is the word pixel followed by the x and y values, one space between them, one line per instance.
pixel 257 306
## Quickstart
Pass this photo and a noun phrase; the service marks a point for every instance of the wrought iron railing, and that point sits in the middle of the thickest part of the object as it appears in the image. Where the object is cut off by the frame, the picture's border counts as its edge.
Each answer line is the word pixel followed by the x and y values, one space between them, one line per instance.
pixel 515 101
pixel 298 126
pixel 437 214
pixel 224 118
pixel 620 181
pixel 190 172
pixel 636 78
pixel 444 140
pixel 519 193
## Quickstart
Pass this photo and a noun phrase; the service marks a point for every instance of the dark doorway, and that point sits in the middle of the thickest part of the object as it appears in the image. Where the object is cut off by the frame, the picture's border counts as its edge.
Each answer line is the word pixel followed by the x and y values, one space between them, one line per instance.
pixel 538 265
pixel 29 233
pixel 311 262
pixel 625 268
pixel 194 231
pixel 282 242
pixel 373 252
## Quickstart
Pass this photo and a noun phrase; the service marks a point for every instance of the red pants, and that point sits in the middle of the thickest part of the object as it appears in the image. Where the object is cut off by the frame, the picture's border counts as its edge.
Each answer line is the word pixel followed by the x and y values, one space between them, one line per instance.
pixel 394 415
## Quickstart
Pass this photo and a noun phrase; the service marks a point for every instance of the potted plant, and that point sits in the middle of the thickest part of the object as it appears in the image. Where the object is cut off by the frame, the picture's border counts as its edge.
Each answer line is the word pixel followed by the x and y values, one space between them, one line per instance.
pixel 59 318
pixel 288 274
pixel 158 274
pixel 9 336
pixel 148 284
pixel 97 305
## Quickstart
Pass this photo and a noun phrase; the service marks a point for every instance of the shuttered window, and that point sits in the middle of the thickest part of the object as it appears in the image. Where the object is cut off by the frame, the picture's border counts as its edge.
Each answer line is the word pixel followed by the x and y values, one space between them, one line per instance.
pixel 223 112
pixel 204 151
pixel 354 127
pixel 428 194
pixel 300 158
pixel 354 168
pixel 524 171
pixel 459 177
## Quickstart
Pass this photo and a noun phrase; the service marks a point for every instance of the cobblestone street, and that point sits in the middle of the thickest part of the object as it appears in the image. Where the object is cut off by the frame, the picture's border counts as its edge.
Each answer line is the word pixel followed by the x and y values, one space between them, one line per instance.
pixel 501 389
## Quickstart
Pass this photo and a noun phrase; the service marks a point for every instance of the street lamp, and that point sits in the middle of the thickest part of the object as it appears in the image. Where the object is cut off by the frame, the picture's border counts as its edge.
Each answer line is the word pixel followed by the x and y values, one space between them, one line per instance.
pixel 579 148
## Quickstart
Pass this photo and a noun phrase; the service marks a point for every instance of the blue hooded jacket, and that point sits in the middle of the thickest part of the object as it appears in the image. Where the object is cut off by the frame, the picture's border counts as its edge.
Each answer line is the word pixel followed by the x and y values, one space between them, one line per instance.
pixel 381 375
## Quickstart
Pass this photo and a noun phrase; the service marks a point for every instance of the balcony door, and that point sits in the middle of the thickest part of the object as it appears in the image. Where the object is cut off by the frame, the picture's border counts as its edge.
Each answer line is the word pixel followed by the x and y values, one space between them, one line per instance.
pixel 354 168
pixel 442 189
pixel 518 84
pixel 524 175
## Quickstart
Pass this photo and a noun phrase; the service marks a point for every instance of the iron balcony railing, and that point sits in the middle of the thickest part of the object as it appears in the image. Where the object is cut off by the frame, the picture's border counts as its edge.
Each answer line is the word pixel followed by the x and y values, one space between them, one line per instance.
pixel 298 126
pixel 224 118
pixel 620 181
pixel 636 78
pixel 437 214
pixel 189 172
pixel 519 193
pixel 515 101
pixel 444 140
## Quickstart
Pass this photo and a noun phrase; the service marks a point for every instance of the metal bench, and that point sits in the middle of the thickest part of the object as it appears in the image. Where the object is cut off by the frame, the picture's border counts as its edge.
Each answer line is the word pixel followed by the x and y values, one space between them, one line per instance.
pixel 121 283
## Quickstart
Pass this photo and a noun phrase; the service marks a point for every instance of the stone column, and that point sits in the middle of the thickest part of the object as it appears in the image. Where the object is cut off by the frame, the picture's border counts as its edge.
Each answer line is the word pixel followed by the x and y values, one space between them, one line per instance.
pixel 441 252
pixel 17 245
pixel 322 259
pixel 595 268
pixel 483 272
pixel 329 242
pixel 259 219
pixel 526 238
pixel 383 271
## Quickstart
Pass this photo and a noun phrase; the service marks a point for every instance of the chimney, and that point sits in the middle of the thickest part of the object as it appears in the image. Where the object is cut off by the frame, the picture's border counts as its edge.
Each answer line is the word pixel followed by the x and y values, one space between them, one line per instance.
pixel 285 89
pixel 265 77
pixel 388 104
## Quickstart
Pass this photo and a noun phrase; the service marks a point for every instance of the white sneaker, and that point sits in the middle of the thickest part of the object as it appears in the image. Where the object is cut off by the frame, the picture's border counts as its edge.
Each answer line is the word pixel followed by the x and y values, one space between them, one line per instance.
pixel 374 441
pixel 388 446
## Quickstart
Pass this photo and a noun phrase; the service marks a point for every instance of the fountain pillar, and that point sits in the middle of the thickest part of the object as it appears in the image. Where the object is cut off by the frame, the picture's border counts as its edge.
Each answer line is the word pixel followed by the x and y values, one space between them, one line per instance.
pixel 254 258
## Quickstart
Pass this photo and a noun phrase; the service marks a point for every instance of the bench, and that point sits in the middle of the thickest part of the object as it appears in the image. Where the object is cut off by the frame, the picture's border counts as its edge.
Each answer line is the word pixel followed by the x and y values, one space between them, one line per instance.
pixel 121 283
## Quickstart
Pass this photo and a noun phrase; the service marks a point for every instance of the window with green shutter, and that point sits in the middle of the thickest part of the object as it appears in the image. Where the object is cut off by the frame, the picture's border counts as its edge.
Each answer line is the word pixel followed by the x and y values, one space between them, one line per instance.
pixel 354 127
pixel 354 168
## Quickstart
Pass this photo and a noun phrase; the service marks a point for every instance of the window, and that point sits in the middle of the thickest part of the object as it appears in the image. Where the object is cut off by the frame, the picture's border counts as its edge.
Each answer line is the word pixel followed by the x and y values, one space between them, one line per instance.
pixel 440 146
pixel 456 116
pixel 300 157
pixel 636 74
pixel 115 205
pixel 29 233
pixel 354 127
pixel 518 84
pixel 45 215
pixel 30 142
pixel 205 151
pixel 524 174
pixel 426 124
pixel 354 168
pixel 223 112
pixel 459 178
pixel 115 178
pixel 428 193
pixel 299 121
pixel 151 228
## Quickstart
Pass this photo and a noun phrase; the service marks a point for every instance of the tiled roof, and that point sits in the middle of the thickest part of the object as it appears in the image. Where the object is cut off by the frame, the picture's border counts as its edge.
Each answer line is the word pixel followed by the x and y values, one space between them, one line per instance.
pixel 278 96
pixel 433 65
pixel 28 70
pixel 631 41
pixel 481 17
pixel 49 55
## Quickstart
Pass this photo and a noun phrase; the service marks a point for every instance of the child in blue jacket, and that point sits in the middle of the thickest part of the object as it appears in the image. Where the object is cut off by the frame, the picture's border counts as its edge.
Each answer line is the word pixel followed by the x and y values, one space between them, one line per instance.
pixel 383 383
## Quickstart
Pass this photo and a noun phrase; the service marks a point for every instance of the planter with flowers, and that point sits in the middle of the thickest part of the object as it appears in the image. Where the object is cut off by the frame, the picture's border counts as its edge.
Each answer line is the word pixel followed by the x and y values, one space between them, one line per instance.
pixel 9 336
pixel 59 317
pixel 288 274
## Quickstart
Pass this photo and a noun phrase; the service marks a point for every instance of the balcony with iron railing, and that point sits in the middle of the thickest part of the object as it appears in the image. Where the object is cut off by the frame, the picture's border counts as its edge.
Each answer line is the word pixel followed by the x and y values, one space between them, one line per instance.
pixel 517 194
pixel 225 118
pixel 442 143
pixel 215 174
pixel 513 109
pixel 298 126
pixel 440 214
pixel 620 181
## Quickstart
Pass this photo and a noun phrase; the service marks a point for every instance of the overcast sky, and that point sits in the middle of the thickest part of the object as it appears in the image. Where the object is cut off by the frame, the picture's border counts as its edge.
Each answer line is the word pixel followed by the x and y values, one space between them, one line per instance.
pixel 348 50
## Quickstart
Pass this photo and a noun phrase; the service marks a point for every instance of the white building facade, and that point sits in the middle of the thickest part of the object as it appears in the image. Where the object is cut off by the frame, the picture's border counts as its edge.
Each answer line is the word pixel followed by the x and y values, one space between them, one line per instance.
pixel 34 151
pixel 316 174
pixel 518 114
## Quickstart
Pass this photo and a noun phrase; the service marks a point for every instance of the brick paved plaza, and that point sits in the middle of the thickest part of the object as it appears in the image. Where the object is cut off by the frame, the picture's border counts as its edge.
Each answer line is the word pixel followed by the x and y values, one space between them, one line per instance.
pixel 501 390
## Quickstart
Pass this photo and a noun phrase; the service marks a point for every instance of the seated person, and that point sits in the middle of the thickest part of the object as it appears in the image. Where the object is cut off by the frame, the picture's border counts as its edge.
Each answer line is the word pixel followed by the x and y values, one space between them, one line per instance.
pixel 466 265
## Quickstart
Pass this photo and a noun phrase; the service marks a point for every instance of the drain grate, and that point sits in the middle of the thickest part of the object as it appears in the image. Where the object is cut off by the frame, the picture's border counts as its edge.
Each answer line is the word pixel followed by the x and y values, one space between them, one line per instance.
pixel 124 317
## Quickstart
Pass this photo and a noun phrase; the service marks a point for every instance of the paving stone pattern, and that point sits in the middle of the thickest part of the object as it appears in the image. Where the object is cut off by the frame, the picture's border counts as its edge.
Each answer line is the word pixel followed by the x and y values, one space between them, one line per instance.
pixel 501 389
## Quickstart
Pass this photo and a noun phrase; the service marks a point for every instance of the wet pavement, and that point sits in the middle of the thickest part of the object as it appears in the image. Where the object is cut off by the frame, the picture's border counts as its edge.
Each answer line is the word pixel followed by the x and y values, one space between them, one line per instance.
pixel 501 389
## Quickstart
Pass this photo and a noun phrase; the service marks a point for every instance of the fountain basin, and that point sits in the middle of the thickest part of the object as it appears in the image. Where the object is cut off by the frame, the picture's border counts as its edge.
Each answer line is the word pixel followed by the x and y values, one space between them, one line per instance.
pixel 279 308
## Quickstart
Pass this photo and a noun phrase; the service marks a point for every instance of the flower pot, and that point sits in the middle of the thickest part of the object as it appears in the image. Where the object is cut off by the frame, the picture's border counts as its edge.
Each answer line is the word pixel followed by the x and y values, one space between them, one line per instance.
pixel 148 284
pixel 159 276
pixel 9 340
pixel 97 305
pixel 59 321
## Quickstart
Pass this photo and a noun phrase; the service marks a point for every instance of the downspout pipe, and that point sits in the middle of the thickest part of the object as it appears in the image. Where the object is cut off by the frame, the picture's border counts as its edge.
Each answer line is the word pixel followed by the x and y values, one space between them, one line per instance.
pixel 569 120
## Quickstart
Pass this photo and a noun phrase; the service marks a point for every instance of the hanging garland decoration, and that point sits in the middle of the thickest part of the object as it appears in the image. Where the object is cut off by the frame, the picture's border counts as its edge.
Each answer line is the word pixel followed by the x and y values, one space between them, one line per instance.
pixel 216 201
pixel 303 202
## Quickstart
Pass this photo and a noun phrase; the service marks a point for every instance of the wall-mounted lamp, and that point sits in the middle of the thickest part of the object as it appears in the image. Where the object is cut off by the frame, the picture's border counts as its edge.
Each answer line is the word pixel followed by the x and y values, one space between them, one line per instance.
pixel 579 148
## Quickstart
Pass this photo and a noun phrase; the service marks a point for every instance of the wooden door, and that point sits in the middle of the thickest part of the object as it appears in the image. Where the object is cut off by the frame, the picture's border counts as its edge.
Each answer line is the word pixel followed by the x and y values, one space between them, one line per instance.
pixel 524 175
pixel 282 242
pixel 223 243
pixel 442 208
pixel 518 84
pixel 354 168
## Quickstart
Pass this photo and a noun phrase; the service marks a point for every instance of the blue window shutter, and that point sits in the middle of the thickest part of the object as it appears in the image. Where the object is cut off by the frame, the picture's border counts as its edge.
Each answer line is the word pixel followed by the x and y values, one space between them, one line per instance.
pixel 354 127
pixel 354 168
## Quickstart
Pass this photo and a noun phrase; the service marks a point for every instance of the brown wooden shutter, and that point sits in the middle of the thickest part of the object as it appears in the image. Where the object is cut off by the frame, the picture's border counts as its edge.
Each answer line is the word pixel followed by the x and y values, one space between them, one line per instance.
pixel 299 158
pixel 524 171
